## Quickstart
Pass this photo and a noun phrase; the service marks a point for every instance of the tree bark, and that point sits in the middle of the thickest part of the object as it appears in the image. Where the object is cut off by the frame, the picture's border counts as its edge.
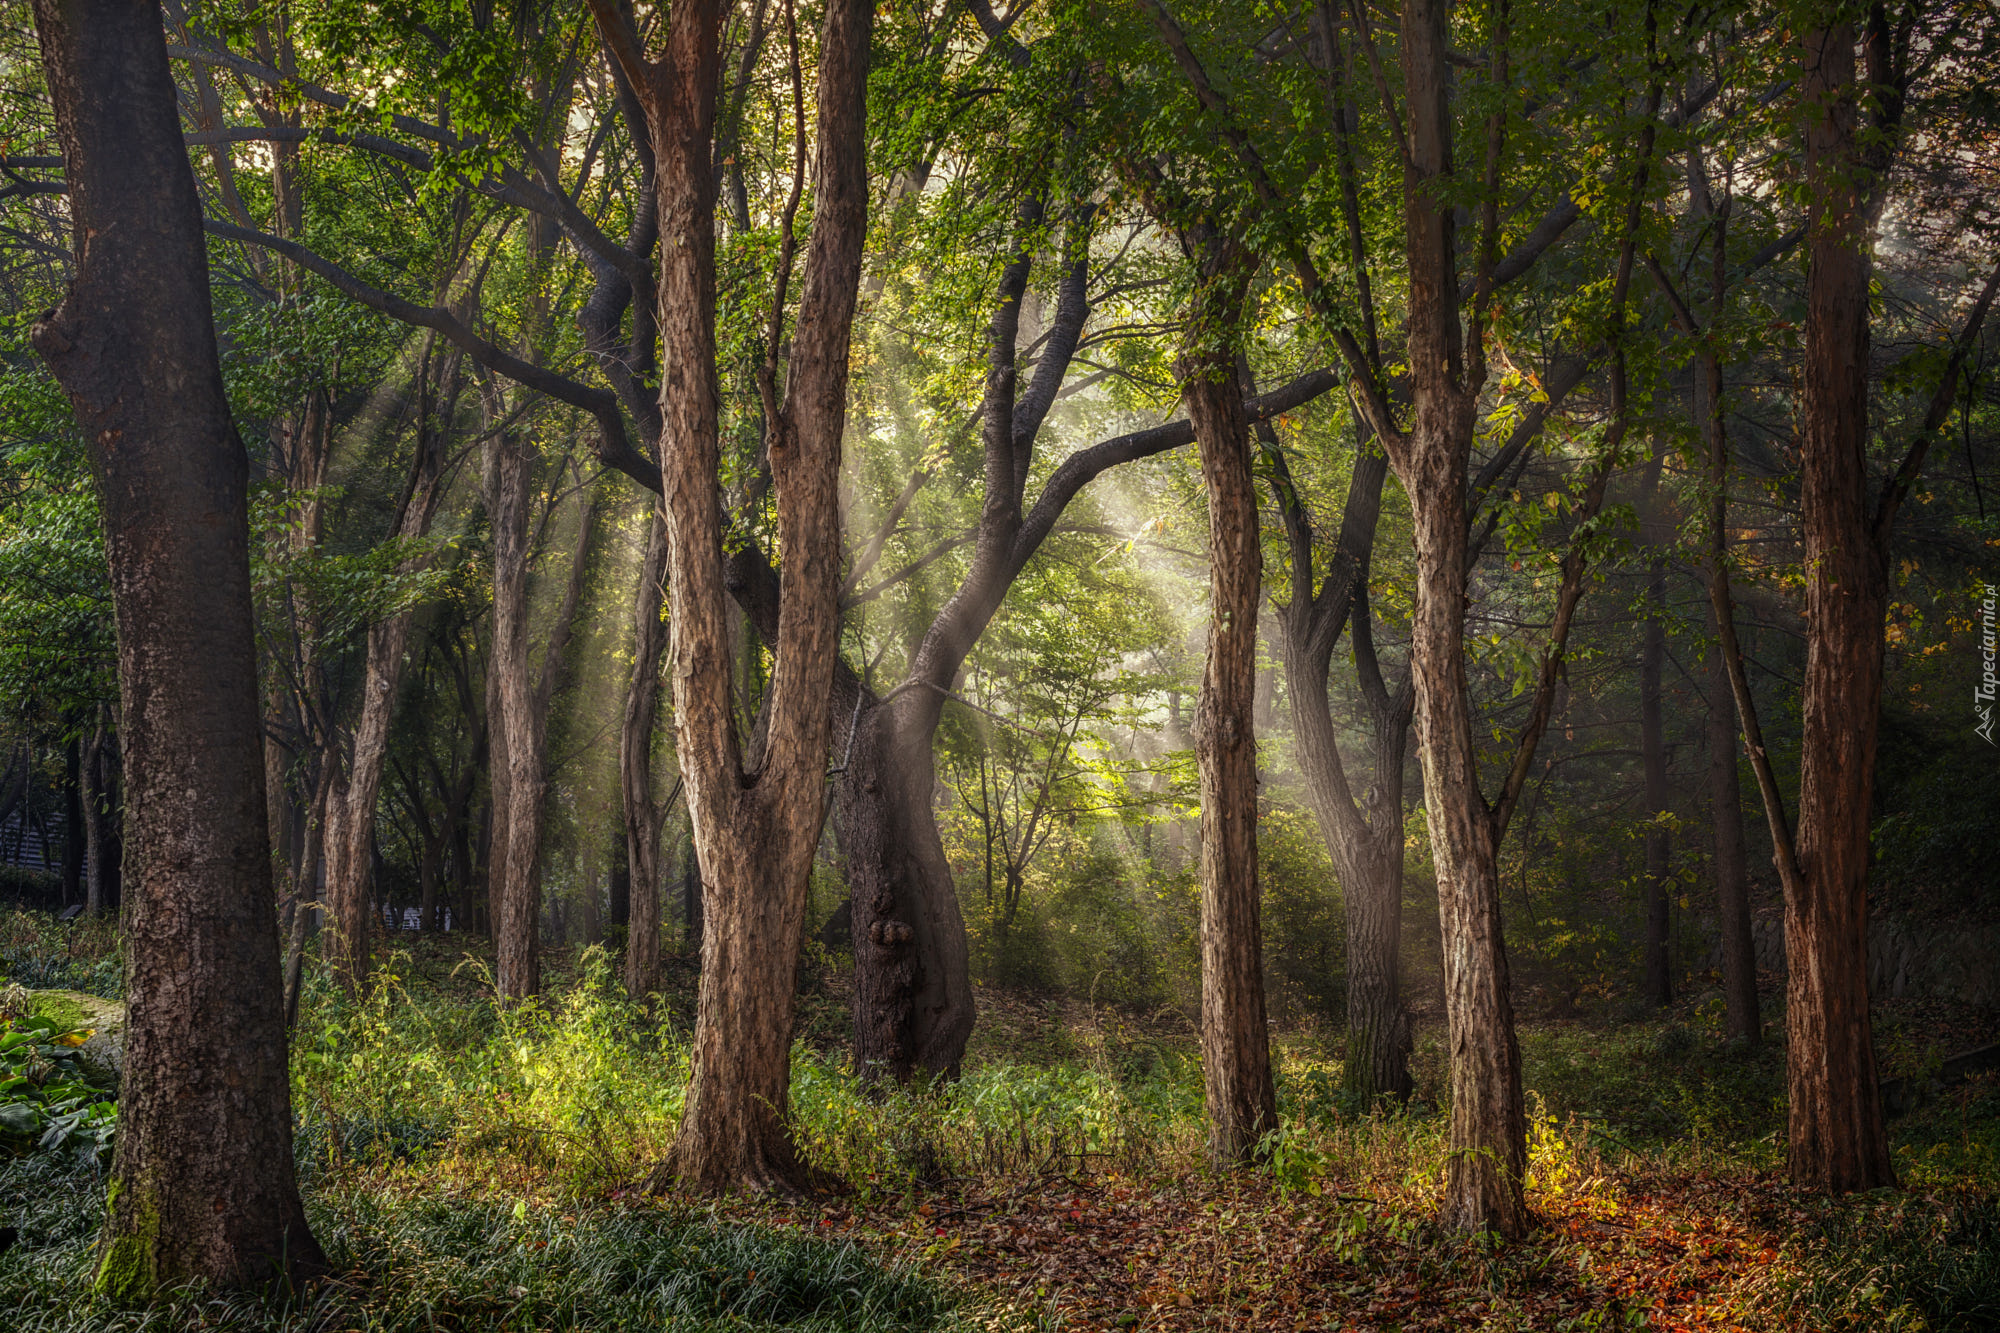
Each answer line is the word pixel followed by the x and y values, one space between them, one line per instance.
pixel 912 1003
pixel 1835 1122
pixel 203 1186
pixel 518 780
pixel 639 906
pixel 1488 1133
pixel 1235 1041
pixel 755 830
pixel 1732 880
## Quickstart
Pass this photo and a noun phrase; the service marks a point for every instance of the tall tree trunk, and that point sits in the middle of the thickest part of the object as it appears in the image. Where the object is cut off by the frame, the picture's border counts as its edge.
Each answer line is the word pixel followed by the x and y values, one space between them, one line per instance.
pixel 640 910
pixel 203 1185
pixel 1235 1041
pixel 1732 880
pixel 350 808
pixel 516 748
pixel 1488 1134
pixel 1836 1127
pixel 755 828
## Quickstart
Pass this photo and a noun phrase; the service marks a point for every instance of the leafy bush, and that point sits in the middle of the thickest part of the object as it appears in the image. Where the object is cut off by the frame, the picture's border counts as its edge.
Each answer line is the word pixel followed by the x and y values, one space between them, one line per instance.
pixel 47 1103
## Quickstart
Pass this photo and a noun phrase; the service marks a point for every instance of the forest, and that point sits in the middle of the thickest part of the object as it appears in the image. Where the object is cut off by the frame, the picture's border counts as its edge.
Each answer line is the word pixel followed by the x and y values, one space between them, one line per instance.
pixel 901 665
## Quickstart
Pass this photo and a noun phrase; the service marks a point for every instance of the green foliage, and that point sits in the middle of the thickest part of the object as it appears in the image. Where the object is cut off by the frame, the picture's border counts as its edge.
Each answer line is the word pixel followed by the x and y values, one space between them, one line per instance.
pixel 1899 1264
pixel 1661 1084
pixel 40 953
pixel 433 1261
pixel 48 1104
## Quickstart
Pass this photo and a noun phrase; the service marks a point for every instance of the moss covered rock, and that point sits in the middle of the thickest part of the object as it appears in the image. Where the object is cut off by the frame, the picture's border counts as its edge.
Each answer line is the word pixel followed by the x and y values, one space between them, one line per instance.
pixel 103 1054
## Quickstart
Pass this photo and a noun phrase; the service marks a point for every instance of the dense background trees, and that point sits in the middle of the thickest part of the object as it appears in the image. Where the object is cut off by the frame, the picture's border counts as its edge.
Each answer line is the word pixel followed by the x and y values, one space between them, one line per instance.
pixel 610 588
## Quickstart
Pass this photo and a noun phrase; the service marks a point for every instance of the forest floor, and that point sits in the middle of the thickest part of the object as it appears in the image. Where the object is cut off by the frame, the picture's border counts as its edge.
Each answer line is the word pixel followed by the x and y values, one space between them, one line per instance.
pixel 472 1170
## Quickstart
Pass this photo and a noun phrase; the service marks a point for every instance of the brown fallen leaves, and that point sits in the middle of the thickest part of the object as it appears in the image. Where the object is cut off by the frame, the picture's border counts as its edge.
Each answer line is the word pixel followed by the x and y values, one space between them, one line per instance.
pixel 1115 1251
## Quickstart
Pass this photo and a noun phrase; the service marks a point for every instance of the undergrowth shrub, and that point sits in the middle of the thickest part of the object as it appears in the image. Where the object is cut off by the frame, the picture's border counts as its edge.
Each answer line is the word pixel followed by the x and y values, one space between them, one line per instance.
pixel 1897 1263
pixel 41 953
pixel 435 1261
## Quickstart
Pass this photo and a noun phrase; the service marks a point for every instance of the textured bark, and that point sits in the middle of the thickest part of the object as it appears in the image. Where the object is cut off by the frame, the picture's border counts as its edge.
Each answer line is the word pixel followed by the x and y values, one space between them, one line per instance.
pixel 1235 1040
pixel 1488 1134
pixel 638 908
pixel 755 831
pixel 203 1186
pixel 912 1003
pixel 1835 1121
pixel 512 861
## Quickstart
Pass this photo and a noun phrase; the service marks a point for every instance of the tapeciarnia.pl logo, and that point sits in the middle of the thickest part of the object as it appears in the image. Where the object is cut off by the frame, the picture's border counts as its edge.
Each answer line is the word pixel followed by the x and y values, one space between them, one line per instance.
pixel 1989 681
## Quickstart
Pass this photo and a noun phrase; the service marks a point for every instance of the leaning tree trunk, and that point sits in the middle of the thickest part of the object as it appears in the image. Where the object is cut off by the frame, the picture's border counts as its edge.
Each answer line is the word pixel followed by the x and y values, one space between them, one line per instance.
pixel 1836 1128
pixel 1732 880
pixel 640 904
pixel 203 1186
pixel 1235 1043
pixel 349 837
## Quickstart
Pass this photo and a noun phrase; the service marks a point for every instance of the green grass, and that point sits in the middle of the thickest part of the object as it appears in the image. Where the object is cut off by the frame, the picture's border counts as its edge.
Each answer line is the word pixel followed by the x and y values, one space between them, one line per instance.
pixel 436 1261
pixel 1890 1263
pixel 425 1114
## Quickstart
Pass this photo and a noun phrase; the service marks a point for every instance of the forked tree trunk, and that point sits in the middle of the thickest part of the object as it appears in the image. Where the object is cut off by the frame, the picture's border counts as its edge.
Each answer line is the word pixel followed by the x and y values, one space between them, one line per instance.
pixel 1835 1122
pixel 1365 839
pixel 639 906
pixel 203 1186
pixel 1235 1042
pixel 1368 857
pixel 755 830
